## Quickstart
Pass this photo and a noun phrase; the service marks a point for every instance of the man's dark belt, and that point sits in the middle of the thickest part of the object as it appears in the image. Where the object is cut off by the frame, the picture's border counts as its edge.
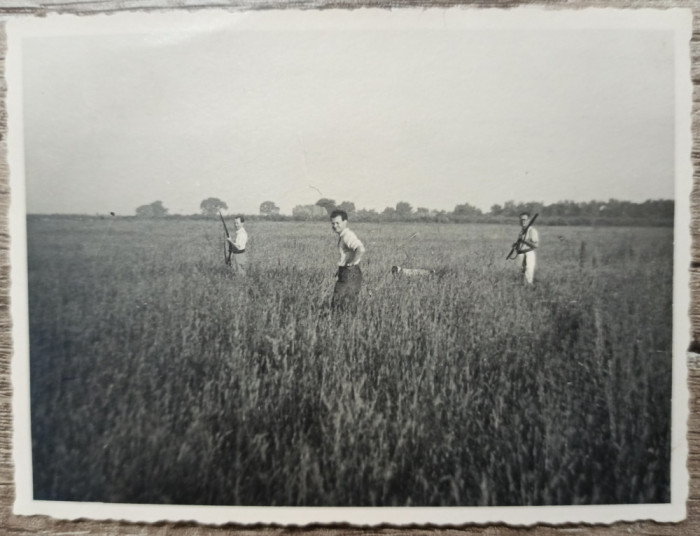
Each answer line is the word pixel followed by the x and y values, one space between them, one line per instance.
pixel 239 251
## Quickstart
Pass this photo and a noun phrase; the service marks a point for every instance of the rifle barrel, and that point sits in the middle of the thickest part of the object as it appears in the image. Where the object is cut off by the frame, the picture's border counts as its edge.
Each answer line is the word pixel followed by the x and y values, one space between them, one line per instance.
pixel 224 222
pixel 227 251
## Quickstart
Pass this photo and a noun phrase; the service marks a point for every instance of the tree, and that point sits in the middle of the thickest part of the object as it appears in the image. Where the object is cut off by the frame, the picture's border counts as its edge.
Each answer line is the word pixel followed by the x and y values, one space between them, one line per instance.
pixel 268 208
pixel 441 216
pixel 348 207
pixel 403 209
pixel 535 207
pixel 467 210
pixel 510 209
pixel 423 213
pixel 367 215
pixel 309 212
pixel 154 210
pixel 389 213
pixel 328 204
pixel 212 205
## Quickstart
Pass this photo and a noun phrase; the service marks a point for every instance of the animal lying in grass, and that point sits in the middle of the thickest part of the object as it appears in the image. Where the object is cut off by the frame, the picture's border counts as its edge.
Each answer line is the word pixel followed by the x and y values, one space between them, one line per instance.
pixel 399 271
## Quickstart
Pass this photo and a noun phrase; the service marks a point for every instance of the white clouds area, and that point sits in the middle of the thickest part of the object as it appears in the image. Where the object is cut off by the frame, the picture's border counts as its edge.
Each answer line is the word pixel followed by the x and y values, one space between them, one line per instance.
pixel 372 114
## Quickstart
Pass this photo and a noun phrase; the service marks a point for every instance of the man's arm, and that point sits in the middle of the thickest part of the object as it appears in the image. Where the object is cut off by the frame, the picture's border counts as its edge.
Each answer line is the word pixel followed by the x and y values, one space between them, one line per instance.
pixel 357 254
pixel 236 244
pixel 532 243
pixel 357 247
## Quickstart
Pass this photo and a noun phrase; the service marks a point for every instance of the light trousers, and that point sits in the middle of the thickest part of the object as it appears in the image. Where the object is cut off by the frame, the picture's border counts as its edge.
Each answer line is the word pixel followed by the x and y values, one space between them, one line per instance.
pixel 239 263
pixel 528 263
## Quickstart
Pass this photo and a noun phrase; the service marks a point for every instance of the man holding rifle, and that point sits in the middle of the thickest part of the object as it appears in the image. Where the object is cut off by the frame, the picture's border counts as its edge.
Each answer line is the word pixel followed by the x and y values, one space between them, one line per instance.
pixel 237 242
pixel 525 247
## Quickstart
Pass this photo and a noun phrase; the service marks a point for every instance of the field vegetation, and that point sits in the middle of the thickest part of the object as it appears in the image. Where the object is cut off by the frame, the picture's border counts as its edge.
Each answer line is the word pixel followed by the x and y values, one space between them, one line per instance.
pixel 157 377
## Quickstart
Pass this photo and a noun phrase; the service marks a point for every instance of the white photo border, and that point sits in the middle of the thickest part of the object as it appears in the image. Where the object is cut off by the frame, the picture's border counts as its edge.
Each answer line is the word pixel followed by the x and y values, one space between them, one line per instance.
pixel 677 20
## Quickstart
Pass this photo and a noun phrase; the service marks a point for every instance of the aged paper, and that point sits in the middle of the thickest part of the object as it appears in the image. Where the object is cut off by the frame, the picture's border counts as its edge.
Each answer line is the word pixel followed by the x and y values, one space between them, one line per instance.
pixel 434 108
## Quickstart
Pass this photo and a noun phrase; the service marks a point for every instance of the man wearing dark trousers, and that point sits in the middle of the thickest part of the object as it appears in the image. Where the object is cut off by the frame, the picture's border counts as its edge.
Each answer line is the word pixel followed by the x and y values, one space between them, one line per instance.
pixel 347 287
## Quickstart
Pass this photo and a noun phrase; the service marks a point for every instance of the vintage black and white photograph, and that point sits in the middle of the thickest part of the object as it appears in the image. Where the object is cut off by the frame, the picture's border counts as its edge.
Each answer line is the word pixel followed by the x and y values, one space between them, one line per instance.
pixel 380 266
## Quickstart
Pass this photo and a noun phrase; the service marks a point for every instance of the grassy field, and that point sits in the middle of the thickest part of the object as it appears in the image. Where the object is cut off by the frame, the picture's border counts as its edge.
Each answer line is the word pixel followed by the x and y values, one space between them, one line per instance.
pixel 157 377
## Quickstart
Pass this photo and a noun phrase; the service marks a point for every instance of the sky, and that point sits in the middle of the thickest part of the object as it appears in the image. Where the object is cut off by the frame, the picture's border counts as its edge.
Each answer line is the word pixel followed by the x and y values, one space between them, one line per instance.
pixel 373 109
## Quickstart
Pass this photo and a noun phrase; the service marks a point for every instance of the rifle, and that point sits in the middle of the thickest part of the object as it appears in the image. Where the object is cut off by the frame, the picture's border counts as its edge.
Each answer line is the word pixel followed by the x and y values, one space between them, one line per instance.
pixel 227 251
pixel 521 237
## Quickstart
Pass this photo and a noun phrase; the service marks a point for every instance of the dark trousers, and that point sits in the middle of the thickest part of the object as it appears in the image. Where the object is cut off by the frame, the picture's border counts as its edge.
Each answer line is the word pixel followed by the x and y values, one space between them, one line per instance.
pixel 347 288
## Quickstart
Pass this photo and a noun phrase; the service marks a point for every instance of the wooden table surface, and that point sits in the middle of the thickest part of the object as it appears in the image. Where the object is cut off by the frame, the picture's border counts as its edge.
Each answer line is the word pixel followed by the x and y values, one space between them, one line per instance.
pixel 10 524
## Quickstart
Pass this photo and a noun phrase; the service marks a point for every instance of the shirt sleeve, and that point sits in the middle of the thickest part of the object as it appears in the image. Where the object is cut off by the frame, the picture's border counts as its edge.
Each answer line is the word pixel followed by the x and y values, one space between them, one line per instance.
pixel 351 241
pixel 534 236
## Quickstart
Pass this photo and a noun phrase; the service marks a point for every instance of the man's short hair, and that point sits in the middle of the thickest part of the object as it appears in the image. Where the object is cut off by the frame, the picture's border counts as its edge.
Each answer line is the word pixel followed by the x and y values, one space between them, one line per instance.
pixel 524 214
pixel 341 213
pixel 240 218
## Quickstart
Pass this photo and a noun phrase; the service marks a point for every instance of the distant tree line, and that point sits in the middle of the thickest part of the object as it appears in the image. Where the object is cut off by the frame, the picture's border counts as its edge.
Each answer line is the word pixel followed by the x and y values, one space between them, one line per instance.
pixel 611 212
pixel 661 208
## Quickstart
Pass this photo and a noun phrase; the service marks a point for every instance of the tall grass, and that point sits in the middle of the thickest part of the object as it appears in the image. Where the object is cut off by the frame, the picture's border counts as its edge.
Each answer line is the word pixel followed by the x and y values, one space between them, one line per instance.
pixel 157 377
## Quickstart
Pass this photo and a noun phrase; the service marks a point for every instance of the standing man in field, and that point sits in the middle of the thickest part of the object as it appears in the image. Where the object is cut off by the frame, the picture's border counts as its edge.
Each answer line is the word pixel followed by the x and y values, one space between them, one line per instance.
pixel 347 287
pixel 528 241
pixel 238 242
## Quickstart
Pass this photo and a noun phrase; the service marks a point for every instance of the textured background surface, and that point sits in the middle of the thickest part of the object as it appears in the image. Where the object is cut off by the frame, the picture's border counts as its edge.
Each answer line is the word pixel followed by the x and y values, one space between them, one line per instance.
pixel 10 524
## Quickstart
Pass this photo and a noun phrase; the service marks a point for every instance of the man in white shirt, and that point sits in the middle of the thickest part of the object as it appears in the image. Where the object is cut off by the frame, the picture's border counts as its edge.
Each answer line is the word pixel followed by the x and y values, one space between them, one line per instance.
pixel 347 288
pixel 527 244
pixel 239 260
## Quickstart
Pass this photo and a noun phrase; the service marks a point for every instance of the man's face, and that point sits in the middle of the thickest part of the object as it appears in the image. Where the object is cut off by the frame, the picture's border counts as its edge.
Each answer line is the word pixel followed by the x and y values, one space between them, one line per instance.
pixel 338 224
pixel 237 223
pixel 523 221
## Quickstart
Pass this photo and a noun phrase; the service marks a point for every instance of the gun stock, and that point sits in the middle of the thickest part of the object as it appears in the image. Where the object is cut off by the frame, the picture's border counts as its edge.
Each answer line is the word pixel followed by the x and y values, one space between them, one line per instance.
pixel 513 249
